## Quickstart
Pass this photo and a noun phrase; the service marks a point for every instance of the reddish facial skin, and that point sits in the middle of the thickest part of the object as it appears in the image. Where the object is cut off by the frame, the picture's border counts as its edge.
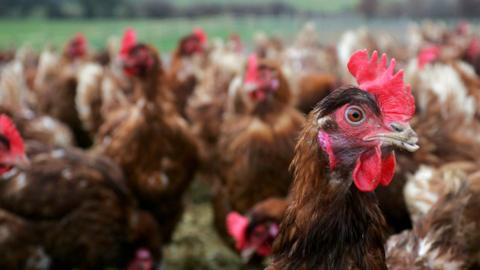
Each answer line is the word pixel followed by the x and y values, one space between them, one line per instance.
pixel 266 83
pixel 385 106
pixel 77 47
pixel 194 43
pixel 372 166
pixel 251 240
pixel 138 61
pixel 260 238
pixel 260 81
pixel 372 124
pixel 143 261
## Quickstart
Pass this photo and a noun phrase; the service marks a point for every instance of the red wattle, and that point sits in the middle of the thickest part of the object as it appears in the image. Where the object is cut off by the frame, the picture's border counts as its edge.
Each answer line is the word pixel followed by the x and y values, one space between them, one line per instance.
pixel 388 169
pixel 367 170
pixel 371 170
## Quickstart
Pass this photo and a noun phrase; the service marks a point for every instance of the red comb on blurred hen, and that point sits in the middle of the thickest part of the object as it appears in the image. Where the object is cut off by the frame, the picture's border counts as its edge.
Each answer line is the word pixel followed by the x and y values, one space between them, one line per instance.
pixel 344 152
pixel 12 149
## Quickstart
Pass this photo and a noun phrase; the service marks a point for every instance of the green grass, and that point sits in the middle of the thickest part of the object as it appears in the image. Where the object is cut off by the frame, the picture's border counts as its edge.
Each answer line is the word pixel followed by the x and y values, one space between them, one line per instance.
pixel 315 5
pixel 164 34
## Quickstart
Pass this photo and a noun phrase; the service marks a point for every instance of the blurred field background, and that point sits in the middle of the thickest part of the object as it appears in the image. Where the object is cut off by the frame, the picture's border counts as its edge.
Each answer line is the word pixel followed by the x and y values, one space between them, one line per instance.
pixel 165 33
pixel 162 23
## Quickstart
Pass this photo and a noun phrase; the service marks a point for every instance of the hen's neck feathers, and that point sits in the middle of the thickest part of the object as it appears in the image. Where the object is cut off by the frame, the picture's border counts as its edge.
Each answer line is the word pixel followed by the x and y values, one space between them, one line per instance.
pixel 152 88
pixel 329 224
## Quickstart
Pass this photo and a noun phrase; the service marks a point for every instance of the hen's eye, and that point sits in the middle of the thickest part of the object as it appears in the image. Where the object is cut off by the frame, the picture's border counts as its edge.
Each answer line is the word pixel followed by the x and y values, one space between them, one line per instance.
pixel 354 115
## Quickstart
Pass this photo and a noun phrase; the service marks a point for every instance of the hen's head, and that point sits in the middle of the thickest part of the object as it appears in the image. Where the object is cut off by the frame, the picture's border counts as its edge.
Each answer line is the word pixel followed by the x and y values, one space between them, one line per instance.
pixel 360 125
pixel 12 149
pixel 143 260
pixel 76 47
pixel 194 43
pixel 251 238
pixel 473 49
pixel 263 80
pixel 428 55
pixel 141 61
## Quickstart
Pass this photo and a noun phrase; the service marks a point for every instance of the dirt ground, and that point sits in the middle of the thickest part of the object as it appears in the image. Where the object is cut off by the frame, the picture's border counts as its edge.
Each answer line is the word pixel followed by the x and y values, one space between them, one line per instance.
pixel 196 244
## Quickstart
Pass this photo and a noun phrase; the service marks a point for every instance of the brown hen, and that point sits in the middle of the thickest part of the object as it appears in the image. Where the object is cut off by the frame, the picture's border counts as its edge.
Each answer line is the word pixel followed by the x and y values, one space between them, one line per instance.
pixel 151 142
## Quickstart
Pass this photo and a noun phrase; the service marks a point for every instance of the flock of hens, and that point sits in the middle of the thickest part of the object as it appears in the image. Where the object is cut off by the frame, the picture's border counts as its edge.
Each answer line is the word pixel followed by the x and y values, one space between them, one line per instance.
pixel 317 157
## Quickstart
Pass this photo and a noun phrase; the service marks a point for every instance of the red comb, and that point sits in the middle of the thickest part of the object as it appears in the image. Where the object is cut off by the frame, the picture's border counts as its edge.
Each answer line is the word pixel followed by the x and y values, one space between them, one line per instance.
pixel 200 34
pixel 393 96
pixel 237 228
pixel 79 37
pixel 128 41
pixel 8 129
pixel 427 55
pixel 251 73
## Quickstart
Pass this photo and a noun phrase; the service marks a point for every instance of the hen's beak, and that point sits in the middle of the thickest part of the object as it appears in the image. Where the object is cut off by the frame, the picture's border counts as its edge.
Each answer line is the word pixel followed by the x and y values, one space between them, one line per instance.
pixel 402 136
pixel 247 254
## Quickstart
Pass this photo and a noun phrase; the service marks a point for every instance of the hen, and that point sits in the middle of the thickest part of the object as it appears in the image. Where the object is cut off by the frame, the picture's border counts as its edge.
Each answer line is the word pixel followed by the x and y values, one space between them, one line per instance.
pixel 445 116
pixel 101 90
pixel 55 86
pixel 256 144
pixel 207 105
pixel 445 235
pixel 186 62
pixel 65 203
pixel 16 101
pixel 309 68
pixel 150 141
pixel 343 154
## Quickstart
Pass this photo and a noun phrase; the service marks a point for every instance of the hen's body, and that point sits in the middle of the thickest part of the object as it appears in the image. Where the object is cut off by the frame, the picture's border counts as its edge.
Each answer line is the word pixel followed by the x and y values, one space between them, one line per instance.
pixel 17 101
pixel 151 143
pixel 255 150
pixel 354 239
pixel 206 107
pixel 186 64
pixel 40 128
pixel 55 88
pixel 75 204
pixel 101 91
pixel 446 235
pixel 312 88
pixel 344 153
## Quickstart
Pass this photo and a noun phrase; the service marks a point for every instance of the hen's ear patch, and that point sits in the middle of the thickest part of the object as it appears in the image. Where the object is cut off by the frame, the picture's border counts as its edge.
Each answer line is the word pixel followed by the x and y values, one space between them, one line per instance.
pixel 326 144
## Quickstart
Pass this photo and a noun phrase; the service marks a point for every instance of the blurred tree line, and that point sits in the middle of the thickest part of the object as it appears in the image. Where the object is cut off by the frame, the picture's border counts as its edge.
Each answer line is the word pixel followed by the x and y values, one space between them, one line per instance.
pixel 135 8
pixel 420 8
pixel 168 8
pixel 61 8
